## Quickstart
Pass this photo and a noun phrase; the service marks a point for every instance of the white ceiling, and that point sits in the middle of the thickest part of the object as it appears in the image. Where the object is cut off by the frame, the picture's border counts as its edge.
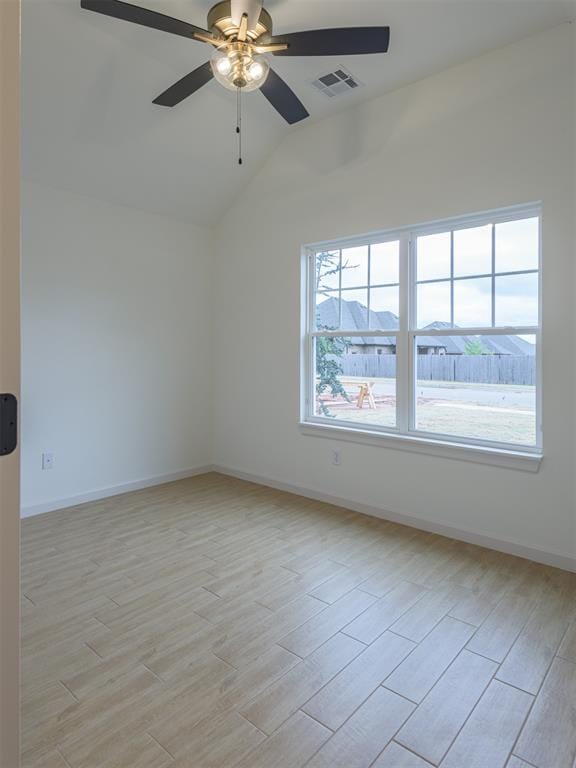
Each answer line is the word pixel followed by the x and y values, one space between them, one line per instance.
pixel 89 124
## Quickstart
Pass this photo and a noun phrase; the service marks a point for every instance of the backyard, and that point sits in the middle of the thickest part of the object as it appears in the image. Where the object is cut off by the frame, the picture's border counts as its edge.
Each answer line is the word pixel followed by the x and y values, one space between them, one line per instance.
pixel 497 412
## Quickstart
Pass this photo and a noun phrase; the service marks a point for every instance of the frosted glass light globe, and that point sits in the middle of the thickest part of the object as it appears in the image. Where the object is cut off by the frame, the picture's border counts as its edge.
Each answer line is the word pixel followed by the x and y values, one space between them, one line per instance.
pixel 224 66
pixel 237 66
pixel 256 70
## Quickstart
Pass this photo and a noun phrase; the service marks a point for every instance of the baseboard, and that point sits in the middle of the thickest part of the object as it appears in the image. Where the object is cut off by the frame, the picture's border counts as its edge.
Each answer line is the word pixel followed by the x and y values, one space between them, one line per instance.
pixel 115 490
pixel 554 559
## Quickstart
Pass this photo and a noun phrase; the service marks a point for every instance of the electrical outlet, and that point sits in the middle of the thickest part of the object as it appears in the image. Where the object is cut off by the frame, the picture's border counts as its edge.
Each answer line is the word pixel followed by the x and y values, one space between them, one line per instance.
pixel 336 458
pixel 47 461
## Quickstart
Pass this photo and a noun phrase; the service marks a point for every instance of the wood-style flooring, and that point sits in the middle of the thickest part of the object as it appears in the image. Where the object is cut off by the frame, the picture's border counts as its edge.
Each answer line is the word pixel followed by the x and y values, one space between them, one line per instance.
pixel 214 623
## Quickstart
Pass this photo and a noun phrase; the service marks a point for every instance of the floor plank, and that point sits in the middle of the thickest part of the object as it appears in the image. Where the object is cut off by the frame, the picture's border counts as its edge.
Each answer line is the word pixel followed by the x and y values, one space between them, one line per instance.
pixel 515 762
pixel 337 700
pixel 531 655
pixel 415 676
pixel 395 756
pixel 216 623
pixel 219 742
pixel 498 633
pixel 361 739
pixel 382 614
pixel 437 721
pixel 175 730
pixel 494 723
pixel 290 747
pixel 421 619
pixel 568 647
pixel 548 739
pixel 316 631
pixel 275 705
pixel 338 586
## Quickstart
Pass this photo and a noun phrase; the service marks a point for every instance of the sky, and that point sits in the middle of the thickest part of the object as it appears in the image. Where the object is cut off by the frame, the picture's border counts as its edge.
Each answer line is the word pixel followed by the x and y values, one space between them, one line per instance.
pixel 516 295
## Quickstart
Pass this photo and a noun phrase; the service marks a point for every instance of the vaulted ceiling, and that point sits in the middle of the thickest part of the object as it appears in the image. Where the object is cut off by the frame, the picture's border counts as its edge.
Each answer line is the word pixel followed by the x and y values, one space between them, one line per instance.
pixel 89 124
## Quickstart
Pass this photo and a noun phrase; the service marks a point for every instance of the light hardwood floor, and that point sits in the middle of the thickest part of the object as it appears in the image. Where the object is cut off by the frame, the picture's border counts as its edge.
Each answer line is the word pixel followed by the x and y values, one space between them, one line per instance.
pixel 213 623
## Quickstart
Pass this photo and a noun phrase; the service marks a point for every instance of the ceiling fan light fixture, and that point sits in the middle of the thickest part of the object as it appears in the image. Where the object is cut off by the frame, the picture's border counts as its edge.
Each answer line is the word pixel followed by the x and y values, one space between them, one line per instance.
pixel 221 22
pixel 241 33
pixel 236 65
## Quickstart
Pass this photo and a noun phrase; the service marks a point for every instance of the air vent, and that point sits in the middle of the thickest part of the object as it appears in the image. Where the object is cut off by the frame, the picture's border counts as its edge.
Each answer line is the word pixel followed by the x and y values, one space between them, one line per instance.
pixel 336 83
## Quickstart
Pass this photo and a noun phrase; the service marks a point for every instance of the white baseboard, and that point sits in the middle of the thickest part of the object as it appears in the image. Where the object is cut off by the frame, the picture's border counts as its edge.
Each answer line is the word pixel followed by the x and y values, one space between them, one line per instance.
pixel 554 559
pixel 114 490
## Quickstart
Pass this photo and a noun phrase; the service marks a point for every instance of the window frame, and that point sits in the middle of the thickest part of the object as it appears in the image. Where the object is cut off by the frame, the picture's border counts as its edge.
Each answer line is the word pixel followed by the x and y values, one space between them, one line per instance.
pixel 405 431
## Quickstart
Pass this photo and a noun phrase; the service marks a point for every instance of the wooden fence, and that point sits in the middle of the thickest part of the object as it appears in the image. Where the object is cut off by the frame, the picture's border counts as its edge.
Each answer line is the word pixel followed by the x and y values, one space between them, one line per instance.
pixel 479 369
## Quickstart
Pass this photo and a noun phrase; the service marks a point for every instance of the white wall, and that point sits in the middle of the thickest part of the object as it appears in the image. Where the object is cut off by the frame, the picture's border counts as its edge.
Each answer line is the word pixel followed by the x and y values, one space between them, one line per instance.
pixel 116 346
pixel 117 306
pixel 496 131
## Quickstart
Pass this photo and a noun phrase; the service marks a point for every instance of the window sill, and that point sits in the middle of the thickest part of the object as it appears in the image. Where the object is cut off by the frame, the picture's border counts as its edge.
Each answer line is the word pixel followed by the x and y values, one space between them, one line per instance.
pixel 503 458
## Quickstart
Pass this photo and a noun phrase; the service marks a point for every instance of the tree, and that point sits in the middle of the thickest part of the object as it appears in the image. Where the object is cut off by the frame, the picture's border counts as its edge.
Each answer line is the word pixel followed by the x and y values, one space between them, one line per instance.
pixel 327 265
pixel 328 370
pixel 328 347
pixel 474 347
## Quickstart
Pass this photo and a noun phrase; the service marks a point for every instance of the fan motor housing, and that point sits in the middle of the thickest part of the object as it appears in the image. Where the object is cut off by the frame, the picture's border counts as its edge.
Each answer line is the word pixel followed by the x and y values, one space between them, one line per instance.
pixel 220 22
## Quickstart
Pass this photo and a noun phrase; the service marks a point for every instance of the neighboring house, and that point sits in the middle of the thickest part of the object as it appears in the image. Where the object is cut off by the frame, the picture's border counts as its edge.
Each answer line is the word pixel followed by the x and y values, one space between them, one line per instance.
pixel 355 315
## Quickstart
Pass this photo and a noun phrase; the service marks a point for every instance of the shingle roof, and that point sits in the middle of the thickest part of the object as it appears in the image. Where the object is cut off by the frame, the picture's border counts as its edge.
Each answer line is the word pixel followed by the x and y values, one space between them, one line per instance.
pixel 354 317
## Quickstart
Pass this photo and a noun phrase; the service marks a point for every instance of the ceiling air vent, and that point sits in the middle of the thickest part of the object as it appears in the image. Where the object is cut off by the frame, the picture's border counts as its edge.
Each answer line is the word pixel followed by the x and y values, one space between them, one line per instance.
pixel 336 83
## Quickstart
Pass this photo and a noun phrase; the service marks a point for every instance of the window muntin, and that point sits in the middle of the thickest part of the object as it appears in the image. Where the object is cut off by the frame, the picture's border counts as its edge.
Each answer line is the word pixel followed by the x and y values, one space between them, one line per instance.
pixel 516 246
pixel 516 299
pixel 362 284
pixel 473 251
pixel 434 303
pixel 385 263
pixel 479 277
pixel 466 292
pixel 384 302
pixel 472 302
pixel 354 272
pixel 434 256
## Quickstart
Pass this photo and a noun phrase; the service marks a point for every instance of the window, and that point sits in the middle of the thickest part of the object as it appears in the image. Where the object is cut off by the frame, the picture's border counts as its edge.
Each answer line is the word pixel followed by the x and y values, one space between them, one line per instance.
pixel 431 332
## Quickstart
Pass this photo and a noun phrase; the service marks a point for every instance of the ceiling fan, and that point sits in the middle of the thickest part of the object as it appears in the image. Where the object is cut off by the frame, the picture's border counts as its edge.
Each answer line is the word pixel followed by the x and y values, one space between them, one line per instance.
pixel 241 33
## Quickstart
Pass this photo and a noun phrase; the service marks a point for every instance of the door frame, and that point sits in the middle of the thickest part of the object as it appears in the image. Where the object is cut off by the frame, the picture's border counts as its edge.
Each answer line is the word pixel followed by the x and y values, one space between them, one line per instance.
pixel 10 379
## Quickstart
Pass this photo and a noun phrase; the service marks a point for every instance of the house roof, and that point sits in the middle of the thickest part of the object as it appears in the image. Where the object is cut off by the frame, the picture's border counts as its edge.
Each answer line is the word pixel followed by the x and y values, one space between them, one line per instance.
pixel 354 316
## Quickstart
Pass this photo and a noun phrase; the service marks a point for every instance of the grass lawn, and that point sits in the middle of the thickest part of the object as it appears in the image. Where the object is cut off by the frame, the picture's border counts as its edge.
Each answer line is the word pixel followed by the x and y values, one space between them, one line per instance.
pixel 498 412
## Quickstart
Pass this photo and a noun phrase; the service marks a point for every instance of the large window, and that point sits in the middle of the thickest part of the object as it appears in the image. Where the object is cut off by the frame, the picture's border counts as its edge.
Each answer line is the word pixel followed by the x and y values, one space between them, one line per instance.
pixel 429 332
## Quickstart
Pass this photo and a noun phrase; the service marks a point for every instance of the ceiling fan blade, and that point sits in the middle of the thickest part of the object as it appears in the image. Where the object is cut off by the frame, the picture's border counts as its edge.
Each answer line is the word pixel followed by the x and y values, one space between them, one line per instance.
pixel 147 18
pixel 283 99
pixel 333 42
pixel 251 8
pixel 185 87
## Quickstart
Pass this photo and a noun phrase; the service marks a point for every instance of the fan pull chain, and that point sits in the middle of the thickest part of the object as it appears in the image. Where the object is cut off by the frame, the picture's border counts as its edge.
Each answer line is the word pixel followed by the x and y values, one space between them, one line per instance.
pixel 239 123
